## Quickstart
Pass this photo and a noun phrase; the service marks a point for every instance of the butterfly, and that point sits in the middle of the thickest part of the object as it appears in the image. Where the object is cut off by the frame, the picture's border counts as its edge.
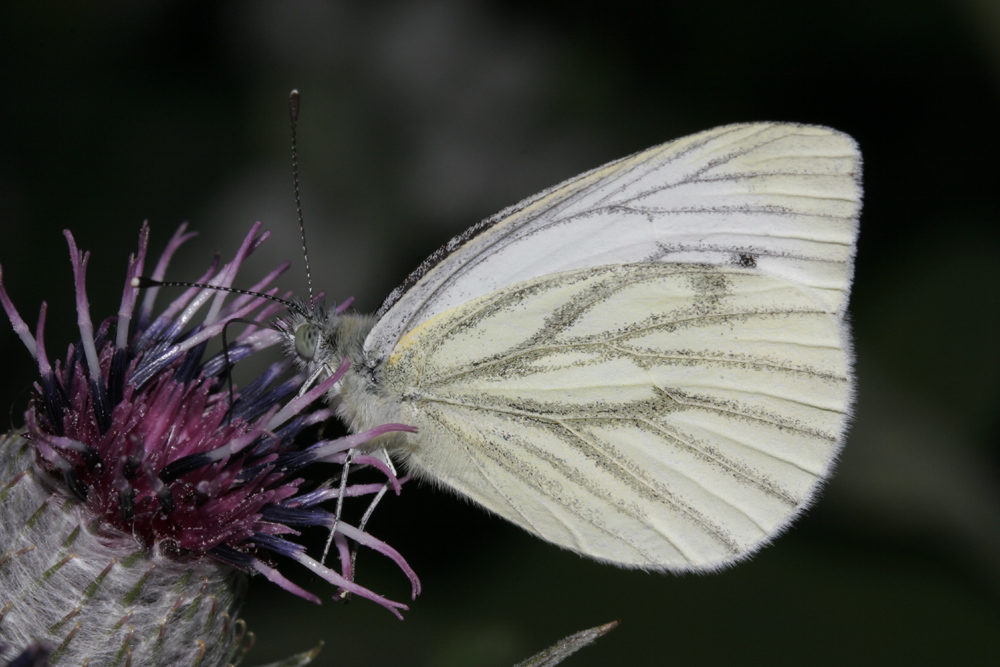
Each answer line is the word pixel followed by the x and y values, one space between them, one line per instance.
pixel 648 364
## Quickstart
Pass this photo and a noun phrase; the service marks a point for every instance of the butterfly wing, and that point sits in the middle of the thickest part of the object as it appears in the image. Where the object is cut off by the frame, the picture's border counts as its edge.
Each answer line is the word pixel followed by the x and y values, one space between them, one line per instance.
pixel 647 364
pixel 654 415
pixel 783 196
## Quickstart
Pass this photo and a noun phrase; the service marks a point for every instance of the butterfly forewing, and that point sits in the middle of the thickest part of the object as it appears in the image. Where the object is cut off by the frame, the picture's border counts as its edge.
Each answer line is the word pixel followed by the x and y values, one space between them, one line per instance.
pixel 783 196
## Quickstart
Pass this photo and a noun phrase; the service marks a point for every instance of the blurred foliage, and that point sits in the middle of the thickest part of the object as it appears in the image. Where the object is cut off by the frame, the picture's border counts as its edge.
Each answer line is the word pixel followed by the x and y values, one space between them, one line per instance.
pixel 420 118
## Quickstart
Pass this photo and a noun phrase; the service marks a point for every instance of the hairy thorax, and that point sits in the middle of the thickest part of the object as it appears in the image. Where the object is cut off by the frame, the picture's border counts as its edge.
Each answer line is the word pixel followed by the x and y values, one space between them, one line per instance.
pixel 357 397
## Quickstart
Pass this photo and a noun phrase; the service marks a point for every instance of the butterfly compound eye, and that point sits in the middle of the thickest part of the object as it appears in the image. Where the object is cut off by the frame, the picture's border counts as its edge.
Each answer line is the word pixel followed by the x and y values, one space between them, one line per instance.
pixel 306 340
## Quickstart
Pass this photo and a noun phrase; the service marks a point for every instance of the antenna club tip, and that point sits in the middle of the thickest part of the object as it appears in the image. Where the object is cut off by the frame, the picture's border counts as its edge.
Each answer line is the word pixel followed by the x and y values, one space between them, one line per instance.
pixel 135 282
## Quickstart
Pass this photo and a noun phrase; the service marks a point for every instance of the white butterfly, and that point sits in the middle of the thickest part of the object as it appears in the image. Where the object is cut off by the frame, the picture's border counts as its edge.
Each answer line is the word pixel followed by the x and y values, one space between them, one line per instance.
pixel 647 364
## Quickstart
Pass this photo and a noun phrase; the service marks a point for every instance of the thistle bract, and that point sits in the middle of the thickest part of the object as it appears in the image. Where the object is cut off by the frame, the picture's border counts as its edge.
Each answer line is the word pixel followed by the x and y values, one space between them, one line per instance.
pixel 142 486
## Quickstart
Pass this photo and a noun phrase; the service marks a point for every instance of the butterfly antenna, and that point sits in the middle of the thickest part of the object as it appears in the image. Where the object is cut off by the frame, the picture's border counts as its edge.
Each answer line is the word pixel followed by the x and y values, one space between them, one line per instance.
pixel 144 283
pixel 293 110
pixel 229 366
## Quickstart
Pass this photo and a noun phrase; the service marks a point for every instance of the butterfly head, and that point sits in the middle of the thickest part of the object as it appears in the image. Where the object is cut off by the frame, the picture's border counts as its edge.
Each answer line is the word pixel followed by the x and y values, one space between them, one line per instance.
pixel 309 333
pixel 318 337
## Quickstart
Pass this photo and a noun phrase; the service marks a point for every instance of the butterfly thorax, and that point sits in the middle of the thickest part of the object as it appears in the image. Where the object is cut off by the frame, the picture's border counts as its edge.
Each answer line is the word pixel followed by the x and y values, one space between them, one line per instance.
pixel 319 339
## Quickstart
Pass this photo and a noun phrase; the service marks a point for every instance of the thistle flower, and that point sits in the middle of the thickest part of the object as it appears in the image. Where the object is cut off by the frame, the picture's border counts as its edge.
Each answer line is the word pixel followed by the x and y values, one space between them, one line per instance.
pixel 142 486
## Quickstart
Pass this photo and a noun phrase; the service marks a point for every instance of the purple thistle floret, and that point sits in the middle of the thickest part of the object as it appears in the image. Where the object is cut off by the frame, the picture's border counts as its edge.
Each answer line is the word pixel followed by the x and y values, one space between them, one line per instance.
pixel 143 431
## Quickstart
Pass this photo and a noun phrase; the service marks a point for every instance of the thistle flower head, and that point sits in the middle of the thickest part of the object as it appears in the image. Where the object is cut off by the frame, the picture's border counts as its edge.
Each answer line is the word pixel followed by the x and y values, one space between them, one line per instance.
pixel 137 439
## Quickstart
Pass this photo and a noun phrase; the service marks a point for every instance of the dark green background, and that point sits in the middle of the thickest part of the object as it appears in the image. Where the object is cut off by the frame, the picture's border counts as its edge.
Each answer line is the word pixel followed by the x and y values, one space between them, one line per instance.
pixel 421 118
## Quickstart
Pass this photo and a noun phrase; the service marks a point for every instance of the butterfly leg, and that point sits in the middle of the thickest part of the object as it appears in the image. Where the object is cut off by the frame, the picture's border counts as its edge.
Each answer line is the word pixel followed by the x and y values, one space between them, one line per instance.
pixel 383 454
pixel 340 506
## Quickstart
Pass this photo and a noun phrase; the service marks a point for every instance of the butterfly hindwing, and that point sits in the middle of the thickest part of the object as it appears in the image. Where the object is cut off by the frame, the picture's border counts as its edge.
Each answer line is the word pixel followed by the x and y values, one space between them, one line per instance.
pixel 655 415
